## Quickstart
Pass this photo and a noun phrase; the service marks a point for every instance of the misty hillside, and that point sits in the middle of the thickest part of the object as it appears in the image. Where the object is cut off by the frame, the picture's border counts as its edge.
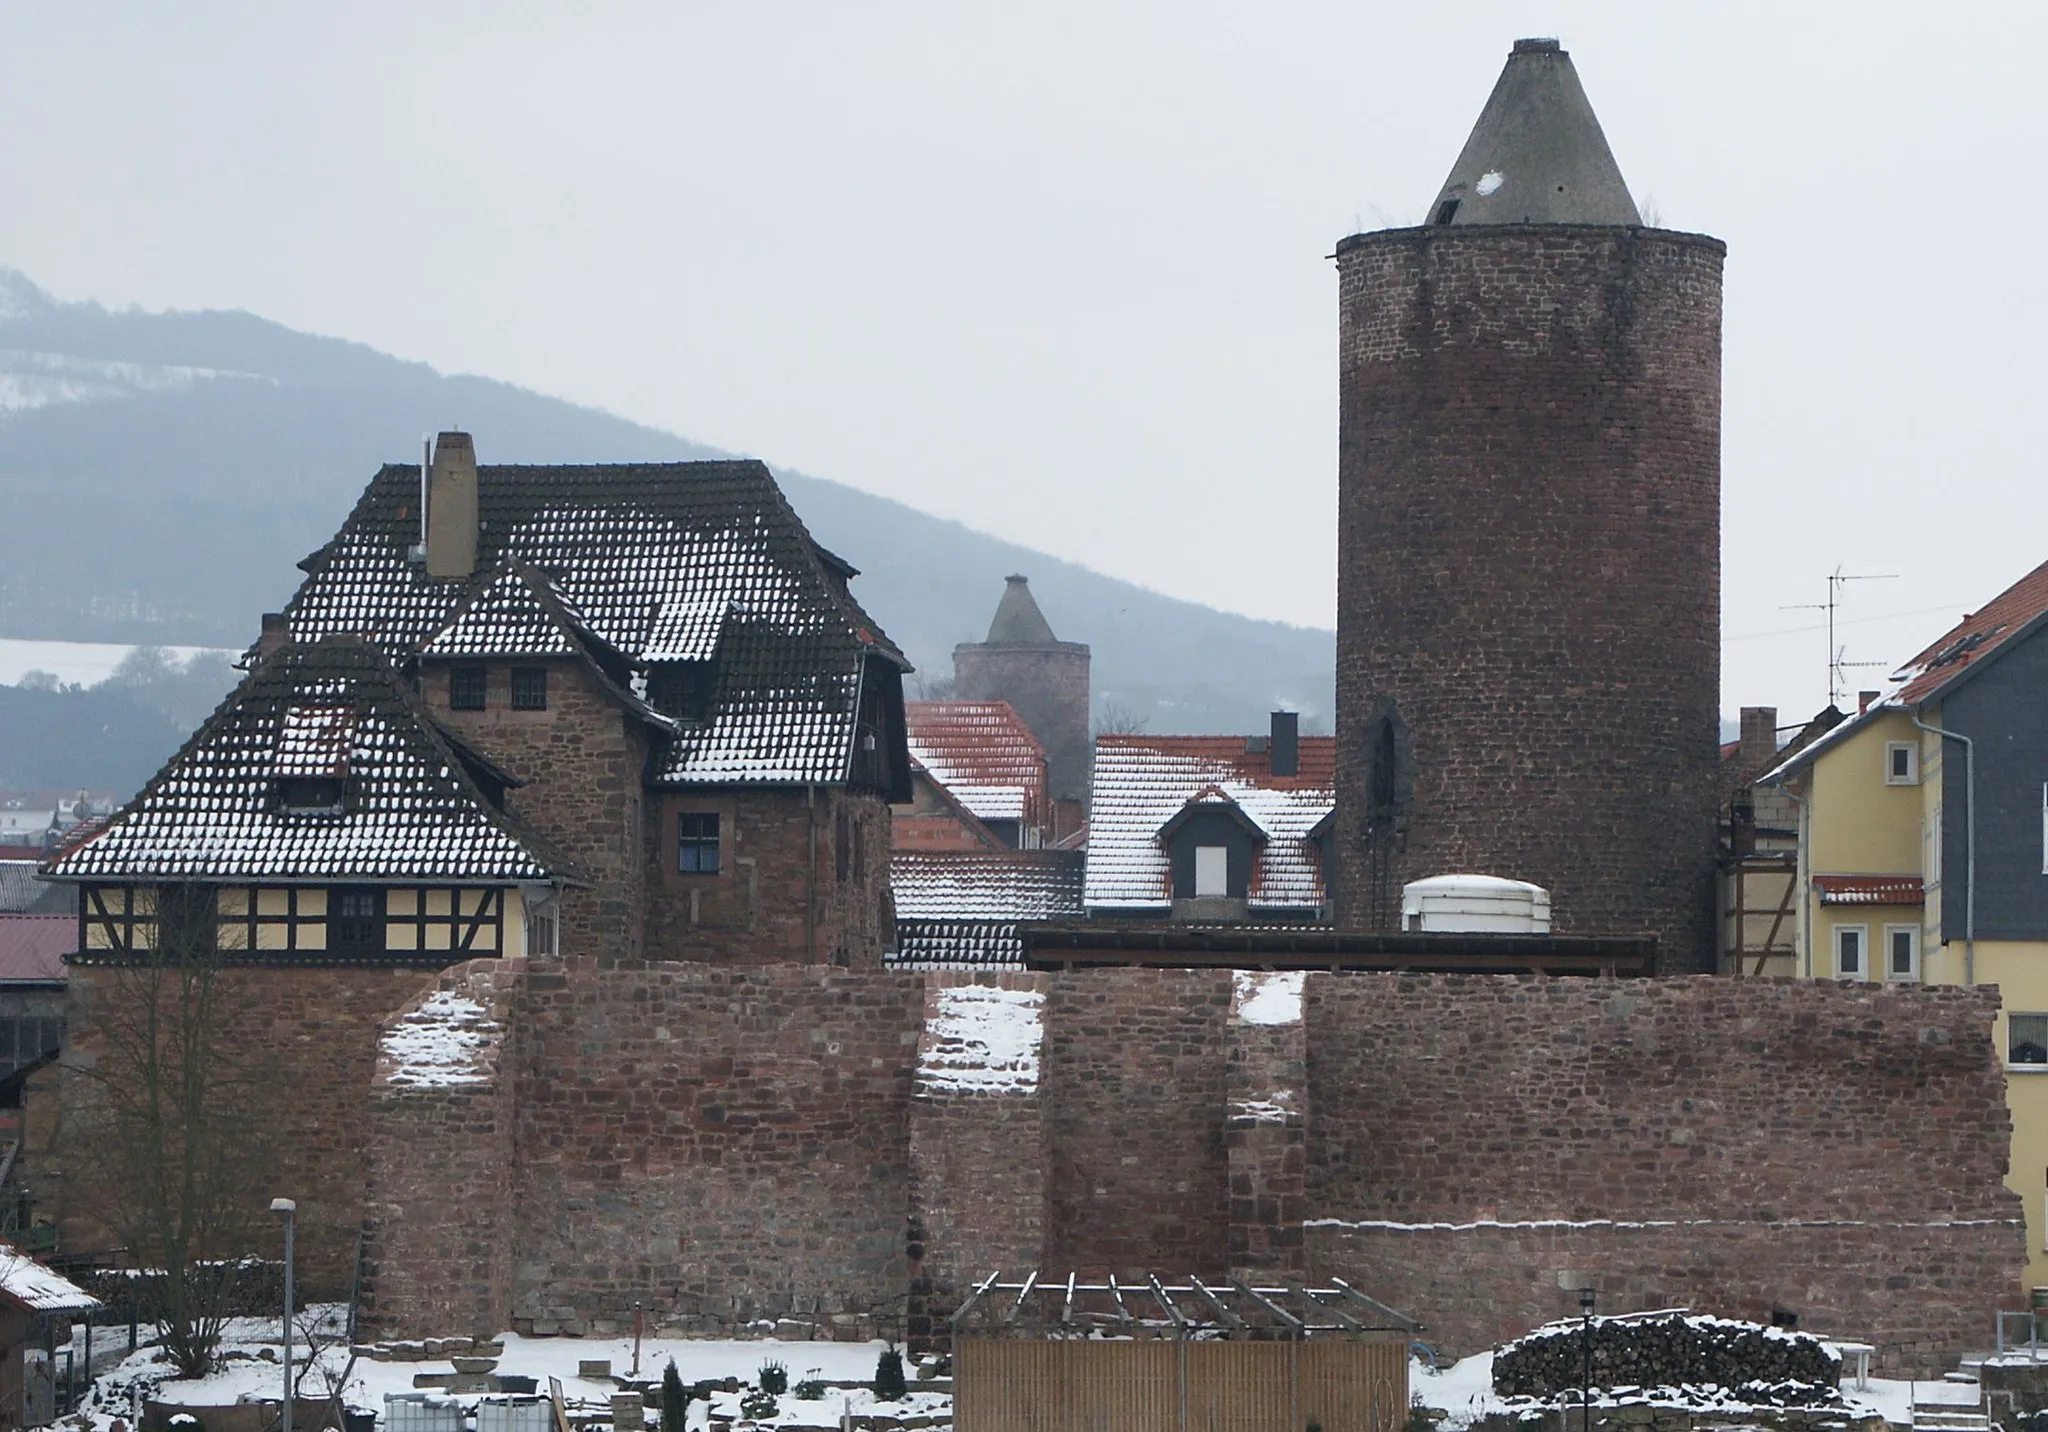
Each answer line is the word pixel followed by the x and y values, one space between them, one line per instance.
pixel 161 474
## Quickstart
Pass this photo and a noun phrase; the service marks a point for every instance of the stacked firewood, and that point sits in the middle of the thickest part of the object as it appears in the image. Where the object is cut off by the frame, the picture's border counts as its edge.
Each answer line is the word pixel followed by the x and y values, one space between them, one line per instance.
pixel 1764 1364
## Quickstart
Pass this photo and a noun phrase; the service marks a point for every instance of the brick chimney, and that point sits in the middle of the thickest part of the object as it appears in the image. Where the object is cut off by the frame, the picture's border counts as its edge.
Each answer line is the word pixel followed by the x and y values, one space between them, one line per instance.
pixel 276 632
pixel 1863 700
pixel 451 507
pixel 1759 739
pixel 1283 751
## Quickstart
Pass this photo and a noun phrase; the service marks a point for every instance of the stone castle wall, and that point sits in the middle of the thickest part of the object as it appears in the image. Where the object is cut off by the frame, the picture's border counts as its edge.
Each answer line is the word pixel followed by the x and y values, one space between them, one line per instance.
pixel 1528 530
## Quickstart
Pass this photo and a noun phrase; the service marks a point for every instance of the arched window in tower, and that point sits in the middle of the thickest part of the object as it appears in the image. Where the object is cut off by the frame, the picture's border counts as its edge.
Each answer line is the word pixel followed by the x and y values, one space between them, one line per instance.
pixel 1389 766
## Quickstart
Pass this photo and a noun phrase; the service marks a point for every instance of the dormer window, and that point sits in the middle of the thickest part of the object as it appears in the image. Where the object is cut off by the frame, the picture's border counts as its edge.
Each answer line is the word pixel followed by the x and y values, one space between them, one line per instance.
pixel 681 689
pixel 310 795
pixel 1212 872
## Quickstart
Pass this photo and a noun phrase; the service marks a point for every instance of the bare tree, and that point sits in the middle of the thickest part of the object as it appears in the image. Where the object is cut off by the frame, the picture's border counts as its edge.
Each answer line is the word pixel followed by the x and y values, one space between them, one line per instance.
pixel 1117 719
pixel 165 1147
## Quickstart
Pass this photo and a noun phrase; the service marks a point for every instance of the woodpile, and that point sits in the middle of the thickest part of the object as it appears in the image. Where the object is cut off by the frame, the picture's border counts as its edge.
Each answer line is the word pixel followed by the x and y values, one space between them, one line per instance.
pixel 1764 1365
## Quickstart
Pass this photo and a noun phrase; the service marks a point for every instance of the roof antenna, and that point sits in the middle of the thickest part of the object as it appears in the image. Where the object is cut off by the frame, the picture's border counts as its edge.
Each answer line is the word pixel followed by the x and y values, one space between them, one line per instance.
pixel 1838 668
pixel 418 554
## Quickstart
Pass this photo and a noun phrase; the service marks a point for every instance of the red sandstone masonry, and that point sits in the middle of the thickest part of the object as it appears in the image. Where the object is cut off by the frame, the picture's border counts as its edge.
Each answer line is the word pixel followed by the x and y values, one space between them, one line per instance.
pixel 719 1144
pixel 1267 1121
pixel 1135 1082
pixel 1529 458
pixel 440 1221
pixel 315 1032
pixel 979 1175
pixel 1922 1292
pixel 779 896
pixel 582 759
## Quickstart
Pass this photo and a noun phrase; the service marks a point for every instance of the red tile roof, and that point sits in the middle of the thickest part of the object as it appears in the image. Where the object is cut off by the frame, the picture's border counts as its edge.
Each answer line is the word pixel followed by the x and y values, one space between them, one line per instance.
pixel 33 947
pixel 984 754
pixel 1870 889
pixel 1972 639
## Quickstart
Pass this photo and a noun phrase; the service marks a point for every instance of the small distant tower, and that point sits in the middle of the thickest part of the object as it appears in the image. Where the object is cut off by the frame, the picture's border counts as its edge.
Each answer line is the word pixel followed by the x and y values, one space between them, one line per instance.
pixel 1043 678
pixel 1528 604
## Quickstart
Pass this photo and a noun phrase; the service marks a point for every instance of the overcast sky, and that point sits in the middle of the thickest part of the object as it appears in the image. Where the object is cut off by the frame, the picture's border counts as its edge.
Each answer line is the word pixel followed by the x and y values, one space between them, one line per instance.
pixel 1059 270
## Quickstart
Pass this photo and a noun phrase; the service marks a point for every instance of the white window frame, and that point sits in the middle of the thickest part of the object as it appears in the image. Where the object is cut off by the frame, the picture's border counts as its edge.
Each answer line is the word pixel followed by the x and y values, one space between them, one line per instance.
pixel 2010 1019
pixel 1912 753
pixel 1862 933
pixel 2044 827
pixel 1217 858
pixel 1912 970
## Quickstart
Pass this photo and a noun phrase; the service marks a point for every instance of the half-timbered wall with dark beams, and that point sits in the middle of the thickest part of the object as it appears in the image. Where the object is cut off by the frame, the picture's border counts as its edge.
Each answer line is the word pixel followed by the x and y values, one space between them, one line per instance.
pixel 353 921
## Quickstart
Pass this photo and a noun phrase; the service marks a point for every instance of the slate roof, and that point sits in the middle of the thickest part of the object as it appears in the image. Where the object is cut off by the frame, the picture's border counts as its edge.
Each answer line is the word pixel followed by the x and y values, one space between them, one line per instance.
pixel 984 754
pixel 1966 645
pixel 956 944
pixel 658 562
pixel 335 708
pixel 1143 782
pixel 33 947
pixel 1015 885
pixel 19 887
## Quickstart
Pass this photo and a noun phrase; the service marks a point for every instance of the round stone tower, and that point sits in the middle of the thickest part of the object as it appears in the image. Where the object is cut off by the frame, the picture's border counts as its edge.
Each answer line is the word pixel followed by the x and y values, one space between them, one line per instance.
pixel 1044 678
pixel 1528 600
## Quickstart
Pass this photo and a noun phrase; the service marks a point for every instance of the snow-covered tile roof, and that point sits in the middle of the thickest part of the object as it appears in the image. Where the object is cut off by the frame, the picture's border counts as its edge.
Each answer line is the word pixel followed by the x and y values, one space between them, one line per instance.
pixel 1965 645
pixel 28 1284
pixel 1870 889
pixel 1013 885
pixel 505 616
pixel 1143 782
pixel 660 563
pixel 19 887
pixel 410 810
pixel 956 944
pixel 983 753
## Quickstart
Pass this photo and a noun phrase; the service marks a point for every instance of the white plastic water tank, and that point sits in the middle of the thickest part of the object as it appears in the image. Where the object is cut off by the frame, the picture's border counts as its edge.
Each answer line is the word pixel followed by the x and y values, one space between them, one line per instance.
pixel 1475 904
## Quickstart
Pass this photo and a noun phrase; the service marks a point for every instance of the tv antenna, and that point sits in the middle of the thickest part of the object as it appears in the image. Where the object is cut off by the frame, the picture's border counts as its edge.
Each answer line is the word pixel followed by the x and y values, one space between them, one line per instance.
pixel 1838 665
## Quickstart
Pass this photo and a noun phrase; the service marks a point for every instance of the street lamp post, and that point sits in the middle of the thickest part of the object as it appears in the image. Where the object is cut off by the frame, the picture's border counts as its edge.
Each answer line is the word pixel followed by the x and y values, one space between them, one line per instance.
pixel 1586 1377
pixel 286 1207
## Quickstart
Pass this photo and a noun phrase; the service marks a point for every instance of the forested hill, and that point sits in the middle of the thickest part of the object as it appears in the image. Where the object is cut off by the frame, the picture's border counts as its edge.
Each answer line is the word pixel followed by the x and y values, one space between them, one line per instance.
pixel 161 474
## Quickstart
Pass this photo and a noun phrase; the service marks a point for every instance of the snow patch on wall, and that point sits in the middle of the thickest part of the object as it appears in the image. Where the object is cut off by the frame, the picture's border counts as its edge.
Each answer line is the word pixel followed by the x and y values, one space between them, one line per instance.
pixel 1268 999
pixel 1264 1111
pixel 442 1044
pixel 983 1040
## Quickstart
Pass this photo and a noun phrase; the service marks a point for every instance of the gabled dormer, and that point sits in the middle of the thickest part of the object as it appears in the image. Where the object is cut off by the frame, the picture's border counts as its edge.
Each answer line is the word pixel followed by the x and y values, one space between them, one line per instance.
pixel 1211 845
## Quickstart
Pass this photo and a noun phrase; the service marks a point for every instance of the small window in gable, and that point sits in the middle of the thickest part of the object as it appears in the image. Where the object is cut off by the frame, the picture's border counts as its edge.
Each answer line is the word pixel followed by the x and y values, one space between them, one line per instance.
pixel 310 795
pixel 466 687
pixel 529 688
pixel 1212 871
pixel 1901 763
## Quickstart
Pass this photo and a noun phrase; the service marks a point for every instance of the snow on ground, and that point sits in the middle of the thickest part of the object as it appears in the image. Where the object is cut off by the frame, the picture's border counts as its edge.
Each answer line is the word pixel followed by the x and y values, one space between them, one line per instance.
pixel 251 1371
pixel 983 1040
pixel 440 1044
pixel 1465 1391
pixel 1268 998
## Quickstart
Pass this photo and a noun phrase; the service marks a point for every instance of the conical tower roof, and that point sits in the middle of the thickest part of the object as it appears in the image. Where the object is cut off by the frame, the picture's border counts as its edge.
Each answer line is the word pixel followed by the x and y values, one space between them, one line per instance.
pixel 1018 621
pixel 1537 155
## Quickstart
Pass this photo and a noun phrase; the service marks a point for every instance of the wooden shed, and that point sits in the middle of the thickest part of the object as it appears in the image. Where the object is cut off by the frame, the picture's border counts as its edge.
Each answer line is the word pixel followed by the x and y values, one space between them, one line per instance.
pixel 1064 1355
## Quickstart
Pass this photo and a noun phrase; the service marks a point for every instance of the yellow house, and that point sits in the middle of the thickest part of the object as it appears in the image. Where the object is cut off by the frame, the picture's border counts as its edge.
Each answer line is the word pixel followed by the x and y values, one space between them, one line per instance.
pixel 1923 848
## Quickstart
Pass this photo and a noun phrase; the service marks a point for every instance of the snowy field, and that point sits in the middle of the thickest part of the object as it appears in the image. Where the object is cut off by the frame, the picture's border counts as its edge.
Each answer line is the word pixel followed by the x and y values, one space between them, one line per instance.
pixel 84 663
pixel 251 1371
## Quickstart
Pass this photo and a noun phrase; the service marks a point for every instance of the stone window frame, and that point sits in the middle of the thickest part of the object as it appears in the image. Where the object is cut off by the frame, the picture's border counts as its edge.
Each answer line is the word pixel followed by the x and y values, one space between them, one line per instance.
pixel 2039 1041
pixel 1862 933
pixel 672 834
pixel 1910 776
